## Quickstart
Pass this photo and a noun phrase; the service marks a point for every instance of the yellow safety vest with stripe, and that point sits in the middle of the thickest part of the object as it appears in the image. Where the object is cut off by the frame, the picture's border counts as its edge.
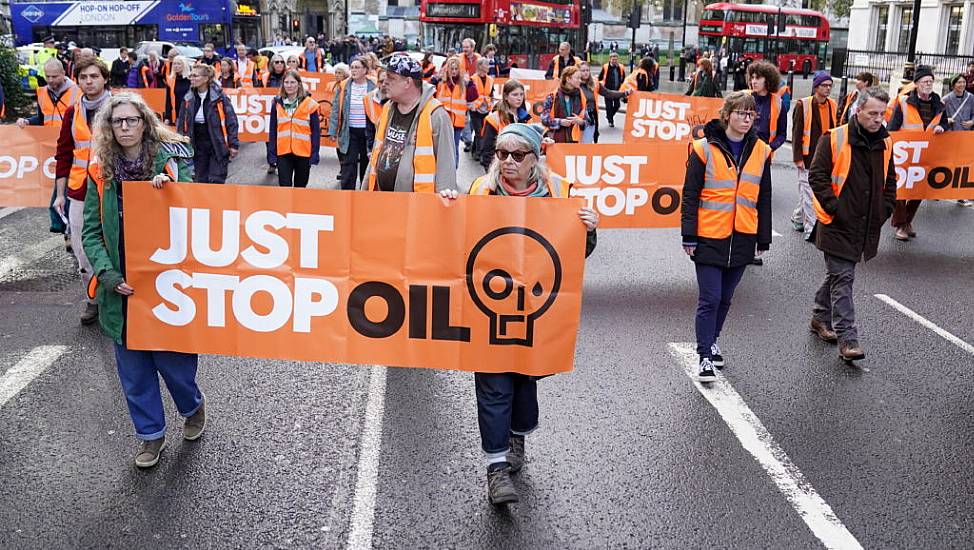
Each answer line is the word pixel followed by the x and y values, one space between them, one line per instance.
pixel 424 161
pixel 558 187
pixel 454 101
pixel 841 162
pixel 729 198
pixel 911 117
pixel 52 112
pixel 807 108
pixel 294 130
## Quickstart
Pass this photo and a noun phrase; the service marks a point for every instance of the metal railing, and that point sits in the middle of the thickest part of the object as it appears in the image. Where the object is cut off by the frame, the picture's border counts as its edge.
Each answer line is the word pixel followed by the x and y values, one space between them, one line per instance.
pixel 886 65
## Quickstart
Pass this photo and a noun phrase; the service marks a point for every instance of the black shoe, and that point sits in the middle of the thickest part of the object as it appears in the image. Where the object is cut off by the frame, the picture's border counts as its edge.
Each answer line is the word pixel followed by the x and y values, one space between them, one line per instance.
pixel 500 487
pixel 706 374
pixel 612 124
pixel 467 147
pixel 715 357
pixel 757 261
pixel 515 457
pixel 90 314
pixel 67 244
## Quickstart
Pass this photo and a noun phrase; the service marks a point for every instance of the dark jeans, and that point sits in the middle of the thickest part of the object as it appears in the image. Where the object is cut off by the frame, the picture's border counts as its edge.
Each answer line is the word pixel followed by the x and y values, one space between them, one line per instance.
pixel 611 108
pixel 833 301
pixel 355 161
pixel 506 403
pixel 717 285
pixel 477 127
pixel 207 168
pixel 138 372
pixel 903 212
pixel 293 171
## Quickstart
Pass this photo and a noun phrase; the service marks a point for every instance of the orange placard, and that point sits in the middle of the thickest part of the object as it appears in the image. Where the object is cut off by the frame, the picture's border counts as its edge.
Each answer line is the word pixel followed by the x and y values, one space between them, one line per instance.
pixel 535 92
pixel 155 98
pixel 630 186
pixel 666 117
pixel 27 165
pixel 253 108
pixel 932 166
pixel 319 85
pixel 489 284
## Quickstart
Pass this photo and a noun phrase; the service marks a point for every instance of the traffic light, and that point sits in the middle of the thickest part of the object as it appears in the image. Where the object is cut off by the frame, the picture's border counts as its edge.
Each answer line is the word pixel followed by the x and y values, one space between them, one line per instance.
pixel 296 24
pixel 586 12
pixel 635 16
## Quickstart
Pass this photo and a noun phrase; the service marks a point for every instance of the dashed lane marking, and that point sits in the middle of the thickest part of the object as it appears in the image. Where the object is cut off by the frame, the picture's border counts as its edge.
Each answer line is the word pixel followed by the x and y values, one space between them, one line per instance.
pixel 27 369
pixel 927 323
pixel 370 444
pixel 30 254
pixel 755 438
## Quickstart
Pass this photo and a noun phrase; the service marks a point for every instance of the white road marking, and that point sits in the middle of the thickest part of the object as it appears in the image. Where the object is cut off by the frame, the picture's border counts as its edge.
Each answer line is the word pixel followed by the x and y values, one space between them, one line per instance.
pixel 370 443
pixel 30 254
pixel 756 439
pixel 4 212
pixel 776 234
pixel 929 324
pixel 27 369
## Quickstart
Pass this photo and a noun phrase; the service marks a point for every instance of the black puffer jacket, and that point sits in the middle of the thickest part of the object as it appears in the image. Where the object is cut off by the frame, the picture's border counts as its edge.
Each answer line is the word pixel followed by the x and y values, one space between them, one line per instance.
pixel 738 249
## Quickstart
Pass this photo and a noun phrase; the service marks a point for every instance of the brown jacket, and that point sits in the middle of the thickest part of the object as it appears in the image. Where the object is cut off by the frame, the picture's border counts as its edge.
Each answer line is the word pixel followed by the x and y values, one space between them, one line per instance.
pixel 798 127
pixel 866 201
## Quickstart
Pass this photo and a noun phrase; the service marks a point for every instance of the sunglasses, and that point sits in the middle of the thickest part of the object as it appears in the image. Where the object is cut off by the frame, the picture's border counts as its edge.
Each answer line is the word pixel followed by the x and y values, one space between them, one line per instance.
pixel 518 156
pixel 278 62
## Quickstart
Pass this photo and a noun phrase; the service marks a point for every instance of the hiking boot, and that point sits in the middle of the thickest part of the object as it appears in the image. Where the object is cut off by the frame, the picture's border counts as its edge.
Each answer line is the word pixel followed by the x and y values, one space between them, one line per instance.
pixel 901 234
pixel 705 373
pixel 194 426
pixel 500 487
pixel 850 351
pixel 715 357
pixel 90 314
pixel 149 452
pixel 823 331
pixel 515 457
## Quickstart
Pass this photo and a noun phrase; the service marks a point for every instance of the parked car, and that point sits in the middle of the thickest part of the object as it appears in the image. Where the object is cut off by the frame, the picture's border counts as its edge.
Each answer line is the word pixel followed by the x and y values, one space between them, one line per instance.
pixel 191 51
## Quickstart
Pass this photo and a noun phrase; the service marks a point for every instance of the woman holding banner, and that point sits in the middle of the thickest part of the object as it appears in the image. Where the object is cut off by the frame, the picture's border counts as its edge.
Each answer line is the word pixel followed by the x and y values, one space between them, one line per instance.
pixel 275 76
pixel 510 109
pixel 592 89
pixel 131 144
pixel 507 403
pixel 295 133
pixel 228 76
pixel 565 113
pixel 209 121
pixel 726 216
pixel 177 84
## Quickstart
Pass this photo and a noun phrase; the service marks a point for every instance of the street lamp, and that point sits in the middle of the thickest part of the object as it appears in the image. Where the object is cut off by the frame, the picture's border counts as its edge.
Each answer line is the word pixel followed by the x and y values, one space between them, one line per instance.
pixel 910 66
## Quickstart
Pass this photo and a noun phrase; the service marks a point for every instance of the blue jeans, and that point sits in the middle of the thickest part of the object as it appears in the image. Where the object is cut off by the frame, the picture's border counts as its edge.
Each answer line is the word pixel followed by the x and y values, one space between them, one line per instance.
pixel 716 286
pixel 467 129
pixel 139 373
pixel 506 403
pixel 457 132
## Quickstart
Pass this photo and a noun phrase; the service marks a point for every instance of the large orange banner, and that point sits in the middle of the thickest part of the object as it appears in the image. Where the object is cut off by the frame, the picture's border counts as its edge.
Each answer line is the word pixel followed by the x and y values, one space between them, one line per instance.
pixel 934 166
pixel 488 284
pixel 630 186
pixel 666 117
pixel 27 165
pixel 535 92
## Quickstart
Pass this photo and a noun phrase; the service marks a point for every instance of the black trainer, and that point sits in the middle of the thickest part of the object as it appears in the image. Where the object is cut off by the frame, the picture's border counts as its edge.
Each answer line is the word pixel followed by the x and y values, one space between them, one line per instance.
pixel 715 357
pixel 705 373
pixel 515 457
pixel 500 487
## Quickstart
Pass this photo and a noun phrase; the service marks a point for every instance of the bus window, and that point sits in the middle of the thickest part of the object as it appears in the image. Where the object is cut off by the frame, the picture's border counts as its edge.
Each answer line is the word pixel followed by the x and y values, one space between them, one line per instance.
pixel 214 34
pixel 713 15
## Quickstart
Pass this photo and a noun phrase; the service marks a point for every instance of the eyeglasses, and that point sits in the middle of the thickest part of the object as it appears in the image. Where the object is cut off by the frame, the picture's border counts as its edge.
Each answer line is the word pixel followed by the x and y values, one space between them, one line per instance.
pixel 278 62
pixel 746 115
pixel 130 121
pixel 518 156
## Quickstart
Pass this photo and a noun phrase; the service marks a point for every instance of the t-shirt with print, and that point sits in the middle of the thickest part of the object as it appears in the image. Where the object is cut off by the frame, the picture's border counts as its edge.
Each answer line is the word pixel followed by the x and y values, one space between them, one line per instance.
pixel 395 141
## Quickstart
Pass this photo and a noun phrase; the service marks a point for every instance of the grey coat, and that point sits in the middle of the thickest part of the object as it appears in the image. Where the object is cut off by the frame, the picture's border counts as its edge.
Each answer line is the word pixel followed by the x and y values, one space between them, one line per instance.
pixel 443 150
pixel 959 110
pixel 341 136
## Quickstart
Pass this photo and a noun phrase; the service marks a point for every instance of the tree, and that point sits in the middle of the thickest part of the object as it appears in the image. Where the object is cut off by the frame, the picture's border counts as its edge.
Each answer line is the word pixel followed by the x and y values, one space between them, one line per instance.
pixel 16 100
pixel 840 8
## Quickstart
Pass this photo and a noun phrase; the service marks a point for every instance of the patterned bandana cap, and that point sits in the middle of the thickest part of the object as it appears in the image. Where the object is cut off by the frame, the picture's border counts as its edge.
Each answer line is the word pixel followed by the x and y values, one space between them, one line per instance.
pixel 403 65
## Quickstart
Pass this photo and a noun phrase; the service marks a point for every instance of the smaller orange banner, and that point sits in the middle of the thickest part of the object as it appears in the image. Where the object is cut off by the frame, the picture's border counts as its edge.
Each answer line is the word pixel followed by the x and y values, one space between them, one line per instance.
pixel 253 108
pixel 932 166
pixel 535 92
pixel 666 117
pixel 27 165
pixel 319 85
pixel 155 98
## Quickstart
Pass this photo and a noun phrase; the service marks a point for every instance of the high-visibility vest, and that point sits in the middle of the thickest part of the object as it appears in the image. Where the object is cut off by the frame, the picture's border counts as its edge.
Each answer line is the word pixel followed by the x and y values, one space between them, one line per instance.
pixel 850 98
pixel 911 117
pixel 495 121
pixel 631 83
pixel 373 106
pixel 424 162
pixel 841 162
pixel 303 60
pixel 468 71
pixel 54 112
pixel 485 92
pixel 190 119
pixel 377 107
pixel 246 79
pixel 576 132
pixel 556 72
pixel 294 131
pixel 171 96
pixel 807 107
pixel 729 198
pixel 81 134
pixel 558 187
pixel 454 101
pixel 605 72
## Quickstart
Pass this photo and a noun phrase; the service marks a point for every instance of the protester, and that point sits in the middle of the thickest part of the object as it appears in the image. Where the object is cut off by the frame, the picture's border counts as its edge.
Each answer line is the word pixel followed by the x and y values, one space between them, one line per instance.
pixel 643 78
pixel 177 85
pixel 293 62
pixel 372 61
pixel 295 133
pixel 452 92
pixel 245 68
pixel 53 99
pixel 429 68
pixel 312 58
pixel 565 112
pixel 210 57
pixel 132 80
pixel 959 110
pixel 228 77
pixel 863 80
pixel 150 72
pixel 725 226
pixel 495 66
pixel 132 145
pixel 469 60
pixel 350 127
pixel 274 77
pixel 507 403
pixel 703 83
pixel 512 108
pixel 814 116
pixel 612 75
pixel 483 85
pixel 414 136
pixel 120 69
pixel 772 122
pixel 853 199
pixel 72 158
pixel 591 89
pixel 923 110
pixel 208 119
pixel 565 58
pixel 167 64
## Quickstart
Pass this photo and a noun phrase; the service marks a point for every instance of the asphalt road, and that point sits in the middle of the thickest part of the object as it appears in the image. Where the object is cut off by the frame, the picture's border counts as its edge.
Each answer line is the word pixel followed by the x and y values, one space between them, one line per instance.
pixel 630 453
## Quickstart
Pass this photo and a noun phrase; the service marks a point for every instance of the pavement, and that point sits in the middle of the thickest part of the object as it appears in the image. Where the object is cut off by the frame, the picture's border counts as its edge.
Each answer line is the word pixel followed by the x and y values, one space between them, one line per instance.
pixel 791 449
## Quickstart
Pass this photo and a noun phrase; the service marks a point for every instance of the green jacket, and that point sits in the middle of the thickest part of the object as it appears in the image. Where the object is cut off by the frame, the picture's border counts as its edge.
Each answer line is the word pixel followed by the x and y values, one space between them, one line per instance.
pixel 100 235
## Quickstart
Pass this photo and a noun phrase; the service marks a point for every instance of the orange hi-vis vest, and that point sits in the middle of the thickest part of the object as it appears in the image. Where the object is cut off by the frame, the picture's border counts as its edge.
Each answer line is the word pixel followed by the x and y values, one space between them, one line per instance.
pixel 303 60
pixel 631 83
pixel 776 103
pixel 485 92
pixel 605 72
pixel 424 161
pixel 54 112
pixel 81 157
pixel 188 104
pixel 729 198
pixel 454 101
pixel 366 101
pixel 807 107
pixel 294 131
pixel 558 187
pixel 841 162
pixel 495 121
pixel 468 71
pixel 171 96
pixel 373 106
pixel 556 71
pixel 850 98
pixel 911 117
pixel 246 79
pixel 576 132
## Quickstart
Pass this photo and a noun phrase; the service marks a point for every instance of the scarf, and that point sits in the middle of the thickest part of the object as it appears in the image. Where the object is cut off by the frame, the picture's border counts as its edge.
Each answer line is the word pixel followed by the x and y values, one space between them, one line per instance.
pixel 92 105
pixel 533 190
pixel 291 105
pixel 130 170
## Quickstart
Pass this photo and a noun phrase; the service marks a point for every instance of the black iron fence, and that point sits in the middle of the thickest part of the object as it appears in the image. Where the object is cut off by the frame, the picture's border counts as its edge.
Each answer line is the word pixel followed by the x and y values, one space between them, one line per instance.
pixel 886 65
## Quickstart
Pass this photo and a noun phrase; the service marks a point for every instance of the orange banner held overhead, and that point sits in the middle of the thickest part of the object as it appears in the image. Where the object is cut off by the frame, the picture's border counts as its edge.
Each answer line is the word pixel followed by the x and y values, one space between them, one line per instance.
pixel 155 98
pixel 932 166
pixel 535 92
pixel 318 275
pixel 27 165
pixel 666 117
pixel 630 186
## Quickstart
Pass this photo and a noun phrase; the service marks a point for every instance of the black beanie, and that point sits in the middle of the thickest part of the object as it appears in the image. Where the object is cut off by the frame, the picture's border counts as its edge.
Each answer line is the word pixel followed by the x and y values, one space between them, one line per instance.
pixel 921 72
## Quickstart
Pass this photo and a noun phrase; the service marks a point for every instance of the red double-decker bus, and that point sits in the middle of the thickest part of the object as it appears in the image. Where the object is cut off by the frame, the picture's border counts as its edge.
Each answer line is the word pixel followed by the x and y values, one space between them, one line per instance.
pixel 791 38
pixel 526 33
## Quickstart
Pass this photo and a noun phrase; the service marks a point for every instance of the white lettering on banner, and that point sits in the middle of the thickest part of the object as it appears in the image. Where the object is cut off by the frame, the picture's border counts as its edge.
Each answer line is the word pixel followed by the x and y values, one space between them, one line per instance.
pixel 906 153
pixel 612 170
pixel 253 112
pixel 18 167
pixel 661 119
pixel 310 82
pixel 190 232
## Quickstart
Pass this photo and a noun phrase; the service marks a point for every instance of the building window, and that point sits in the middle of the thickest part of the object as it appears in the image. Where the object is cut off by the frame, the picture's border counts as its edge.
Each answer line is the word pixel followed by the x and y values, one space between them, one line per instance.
pixel 882 22
pixel 906 24
pixel 596 4
pixel 955 16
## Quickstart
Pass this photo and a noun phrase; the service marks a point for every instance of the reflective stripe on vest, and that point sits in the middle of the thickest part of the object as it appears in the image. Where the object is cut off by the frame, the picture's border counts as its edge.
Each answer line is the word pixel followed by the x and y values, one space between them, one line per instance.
pixel 558 187
pixel 247 80
pixel 841 163
pixel 454 101
pixel 807 107
pixel 729 198
pixel 294 131
pixel 52 112
pixel 424 161
pixel 81 134
pixel 911 117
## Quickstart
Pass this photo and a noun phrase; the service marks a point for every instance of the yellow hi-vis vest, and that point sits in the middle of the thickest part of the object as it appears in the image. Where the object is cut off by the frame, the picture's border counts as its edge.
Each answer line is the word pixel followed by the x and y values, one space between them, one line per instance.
pixel 807 107
pixel 424 162
pixel 841 162
pixel 729 198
